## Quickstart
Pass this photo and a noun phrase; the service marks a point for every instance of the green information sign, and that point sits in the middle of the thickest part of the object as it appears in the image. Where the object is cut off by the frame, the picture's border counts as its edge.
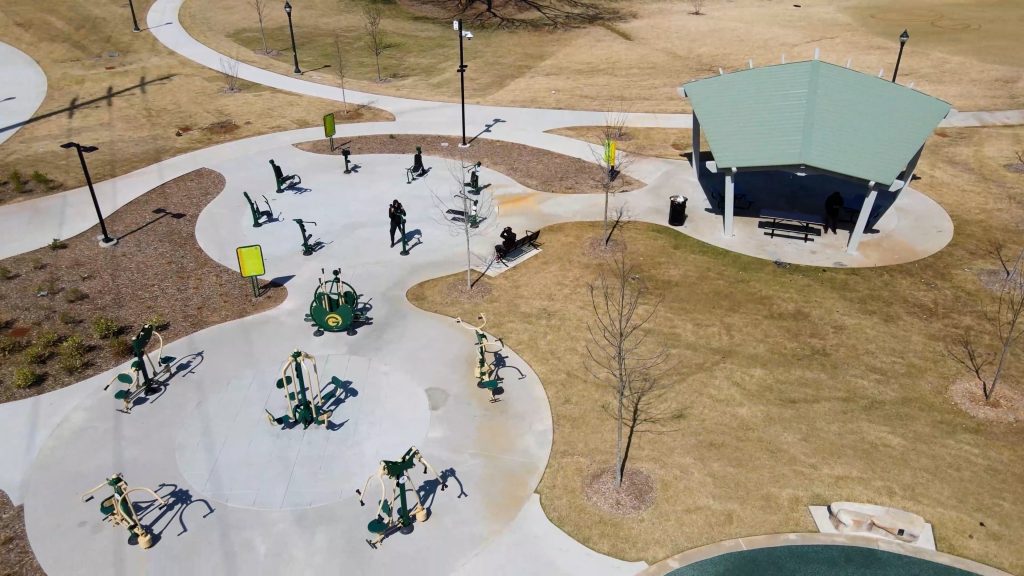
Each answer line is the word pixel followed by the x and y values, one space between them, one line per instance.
pixel 329 131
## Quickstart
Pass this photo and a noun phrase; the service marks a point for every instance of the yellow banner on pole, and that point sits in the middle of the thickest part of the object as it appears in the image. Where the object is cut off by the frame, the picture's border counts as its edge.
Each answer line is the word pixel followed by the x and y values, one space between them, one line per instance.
pixel 329 129
pixel 250 260
pixel 609 153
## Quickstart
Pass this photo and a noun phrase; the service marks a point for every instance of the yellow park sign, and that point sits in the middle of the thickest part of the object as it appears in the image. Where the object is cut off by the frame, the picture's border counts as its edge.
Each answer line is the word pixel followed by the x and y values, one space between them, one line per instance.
pixel 329 129
pixel 250 260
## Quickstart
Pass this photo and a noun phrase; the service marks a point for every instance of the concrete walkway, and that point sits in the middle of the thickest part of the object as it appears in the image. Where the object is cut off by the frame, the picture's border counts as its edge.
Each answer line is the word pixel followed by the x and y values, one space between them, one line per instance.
pixel 23 89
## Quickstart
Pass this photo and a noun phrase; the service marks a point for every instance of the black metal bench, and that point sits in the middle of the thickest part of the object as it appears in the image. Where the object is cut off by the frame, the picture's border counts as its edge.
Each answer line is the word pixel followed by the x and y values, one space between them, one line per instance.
pixel 803 225
pixel 528 239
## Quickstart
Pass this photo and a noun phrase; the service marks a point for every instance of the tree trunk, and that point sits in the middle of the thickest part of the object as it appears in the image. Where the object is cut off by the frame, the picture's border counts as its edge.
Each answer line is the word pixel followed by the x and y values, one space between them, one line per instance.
pixel 605 227
pixel 469 258
pixel 377 57
pixel 264 36
pixel 633 420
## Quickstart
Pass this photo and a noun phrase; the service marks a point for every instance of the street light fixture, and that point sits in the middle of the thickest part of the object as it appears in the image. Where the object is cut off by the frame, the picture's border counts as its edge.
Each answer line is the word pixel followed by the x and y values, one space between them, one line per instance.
pixel 457 25
pixel 105 239
pixel 135 22
pixel 295 53
pixel 903 40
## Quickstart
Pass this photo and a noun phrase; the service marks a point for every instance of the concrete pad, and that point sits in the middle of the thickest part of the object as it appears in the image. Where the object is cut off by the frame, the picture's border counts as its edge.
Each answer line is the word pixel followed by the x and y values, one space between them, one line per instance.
pixel 23 89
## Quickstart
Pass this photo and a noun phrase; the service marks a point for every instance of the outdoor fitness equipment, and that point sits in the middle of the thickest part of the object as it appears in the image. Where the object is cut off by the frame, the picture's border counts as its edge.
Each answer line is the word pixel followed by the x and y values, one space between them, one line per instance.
pixel 306 403
pixel 119 510
pixel 486 372
pixel 143 379
pixel 307 248
pixel 257 213
pixel 345 153
pixel 335 306
pixel 282 181
pixel 474 178
pixel 389 518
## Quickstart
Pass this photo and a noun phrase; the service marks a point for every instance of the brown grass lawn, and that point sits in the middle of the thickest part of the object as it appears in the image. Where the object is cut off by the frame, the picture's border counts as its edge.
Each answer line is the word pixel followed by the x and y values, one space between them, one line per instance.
pixel 965 52
pixel 86 48
pixel 800 386
pixel 668 143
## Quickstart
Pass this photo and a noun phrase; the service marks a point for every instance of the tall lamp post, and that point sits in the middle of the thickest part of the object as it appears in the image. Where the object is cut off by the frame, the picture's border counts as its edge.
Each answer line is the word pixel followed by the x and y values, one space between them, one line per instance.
pixel 457 24
pixel 105 239
pixel 135 22
pixel 903 41
pixel 295 53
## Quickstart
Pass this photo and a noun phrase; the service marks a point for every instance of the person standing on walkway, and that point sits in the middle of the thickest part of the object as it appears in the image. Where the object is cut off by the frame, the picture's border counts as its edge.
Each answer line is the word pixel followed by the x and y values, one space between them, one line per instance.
pixel 396 214
pixel 833 204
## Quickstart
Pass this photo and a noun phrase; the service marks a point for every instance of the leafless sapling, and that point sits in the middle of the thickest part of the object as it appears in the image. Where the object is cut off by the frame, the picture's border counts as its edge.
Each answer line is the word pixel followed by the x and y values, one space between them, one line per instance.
pixel 261 6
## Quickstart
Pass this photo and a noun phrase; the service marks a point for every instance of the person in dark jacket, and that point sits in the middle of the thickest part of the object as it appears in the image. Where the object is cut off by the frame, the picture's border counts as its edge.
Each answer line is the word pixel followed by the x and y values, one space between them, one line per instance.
pixel 396 214
pixel 833 204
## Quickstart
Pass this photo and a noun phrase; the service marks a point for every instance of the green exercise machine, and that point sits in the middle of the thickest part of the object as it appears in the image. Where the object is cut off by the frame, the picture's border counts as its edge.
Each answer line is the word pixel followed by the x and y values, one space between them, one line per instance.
pixel 119 510
pixel 307 248
pixel 145 374
pixel 307 404
pixel 335 306
pixel 485 372
pixel 393 512
pixel 258 214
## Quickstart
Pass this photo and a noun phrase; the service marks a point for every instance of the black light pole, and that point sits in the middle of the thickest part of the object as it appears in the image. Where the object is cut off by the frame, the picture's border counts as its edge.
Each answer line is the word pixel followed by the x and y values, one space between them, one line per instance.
pixel 462 81
pixel 295 53
pixel 903 40
pixel 105 240
pixel 135 23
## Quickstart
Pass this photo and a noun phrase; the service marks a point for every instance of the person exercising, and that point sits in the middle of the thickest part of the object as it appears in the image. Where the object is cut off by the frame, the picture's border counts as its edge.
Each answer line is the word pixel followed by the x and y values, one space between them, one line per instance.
pixel 396 214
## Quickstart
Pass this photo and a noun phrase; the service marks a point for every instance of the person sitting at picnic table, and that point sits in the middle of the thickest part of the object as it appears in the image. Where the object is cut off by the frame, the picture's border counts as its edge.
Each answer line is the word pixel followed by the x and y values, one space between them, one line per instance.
pixel 833 204
pixel 508 241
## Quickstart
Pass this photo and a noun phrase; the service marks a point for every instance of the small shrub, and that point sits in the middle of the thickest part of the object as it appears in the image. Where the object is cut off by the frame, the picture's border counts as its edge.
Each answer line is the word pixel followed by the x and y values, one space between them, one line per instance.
pixel 120 347
pixel 10 345
pixel 44 180
pixel 75 294
pixel 47 340
pixel 58 244
pixel 158 322
pixel 36 354
pixel 72 355
pixel 6 274
pixel 105 327
pixel 68 318
pixel 26 378
pixel 49 286
pixel 38 264
pixel 17 182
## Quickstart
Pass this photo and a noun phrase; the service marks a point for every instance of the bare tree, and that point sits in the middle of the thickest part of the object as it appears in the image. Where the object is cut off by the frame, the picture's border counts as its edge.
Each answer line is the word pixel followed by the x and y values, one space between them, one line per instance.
pixel 649 405
pixel 530 13
pixel 229 71
pixel 261 6
pixel 378 42
pixel 465 213
pixel 697 6
pixel 340 59
pixel 609 183
pixel 998 249
pixel 619 355
pixel 1008 328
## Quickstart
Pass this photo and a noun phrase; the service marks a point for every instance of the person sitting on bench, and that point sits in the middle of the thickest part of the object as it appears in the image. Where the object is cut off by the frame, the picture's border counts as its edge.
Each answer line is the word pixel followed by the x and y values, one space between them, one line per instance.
pixel 508 242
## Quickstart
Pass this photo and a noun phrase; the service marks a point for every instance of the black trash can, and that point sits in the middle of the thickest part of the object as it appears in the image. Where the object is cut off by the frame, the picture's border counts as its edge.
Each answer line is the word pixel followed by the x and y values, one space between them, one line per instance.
pixel 676 210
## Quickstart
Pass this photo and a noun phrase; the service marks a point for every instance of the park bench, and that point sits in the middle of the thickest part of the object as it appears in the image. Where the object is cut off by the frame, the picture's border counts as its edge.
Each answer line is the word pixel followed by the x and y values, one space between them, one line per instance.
pixel 527 240
pixel 802 225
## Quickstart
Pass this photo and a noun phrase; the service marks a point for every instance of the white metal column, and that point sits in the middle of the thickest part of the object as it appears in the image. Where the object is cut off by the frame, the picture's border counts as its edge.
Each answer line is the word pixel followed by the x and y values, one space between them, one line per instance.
pixel 862 219
pixel 730 203
pixel 696 147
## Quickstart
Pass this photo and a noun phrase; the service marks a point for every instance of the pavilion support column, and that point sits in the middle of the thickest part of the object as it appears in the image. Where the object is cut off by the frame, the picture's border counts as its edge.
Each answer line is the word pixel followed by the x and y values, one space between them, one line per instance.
pixel 908 174
pixel 696 147
pixel 730 201
pixel 862 219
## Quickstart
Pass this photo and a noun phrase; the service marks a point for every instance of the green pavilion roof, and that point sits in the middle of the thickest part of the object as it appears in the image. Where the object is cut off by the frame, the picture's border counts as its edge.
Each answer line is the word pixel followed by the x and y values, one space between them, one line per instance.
pixel 814 114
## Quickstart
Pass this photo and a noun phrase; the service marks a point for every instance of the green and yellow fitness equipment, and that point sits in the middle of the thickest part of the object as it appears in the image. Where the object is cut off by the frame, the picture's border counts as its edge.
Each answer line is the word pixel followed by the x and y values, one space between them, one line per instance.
pixel 300 381
pixel 119 511
pixel 145 374
pixel 258 214
pixel 485 372
pixel 335 306
pixel 393 512
pixel 307 248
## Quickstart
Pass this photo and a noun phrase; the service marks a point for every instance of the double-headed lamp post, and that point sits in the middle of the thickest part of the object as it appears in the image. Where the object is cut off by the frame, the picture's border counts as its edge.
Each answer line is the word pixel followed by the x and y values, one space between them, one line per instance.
pixel 295 53
pixel 135 22
pixel 903 41
pixel 105 239
pixel 457 24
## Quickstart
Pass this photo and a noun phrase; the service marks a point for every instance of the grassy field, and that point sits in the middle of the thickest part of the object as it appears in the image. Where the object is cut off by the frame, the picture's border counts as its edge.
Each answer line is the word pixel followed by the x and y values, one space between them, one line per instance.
pixel 799 386
pixel 668 143
pixel 963 51
pixel 87 49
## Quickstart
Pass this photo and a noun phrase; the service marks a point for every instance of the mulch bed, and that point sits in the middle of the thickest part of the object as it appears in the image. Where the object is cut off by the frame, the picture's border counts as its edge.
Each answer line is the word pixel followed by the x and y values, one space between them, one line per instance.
pixel 156 273
pixel 595 247
pixel 16 557
pixel 532 167
pixel 635 495
pixel 1006 406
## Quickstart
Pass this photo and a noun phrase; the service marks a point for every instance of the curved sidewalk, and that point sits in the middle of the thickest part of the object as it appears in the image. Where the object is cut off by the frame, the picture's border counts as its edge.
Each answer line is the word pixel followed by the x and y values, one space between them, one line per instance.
pixel 23 89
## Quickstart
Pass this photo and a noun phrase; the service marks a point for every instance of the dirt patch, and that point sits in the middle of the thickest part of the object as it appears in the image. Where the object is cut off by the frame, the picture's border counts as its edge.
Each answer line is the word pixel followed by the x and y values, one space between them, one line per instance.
pixel 1016 167
pixel 596 247
pixel 1006 406
pixel 532 167
pixel 221 128
pixel 16 557
pixel 635 495
pixel 993 278
pixel 157 273
pixel 456 292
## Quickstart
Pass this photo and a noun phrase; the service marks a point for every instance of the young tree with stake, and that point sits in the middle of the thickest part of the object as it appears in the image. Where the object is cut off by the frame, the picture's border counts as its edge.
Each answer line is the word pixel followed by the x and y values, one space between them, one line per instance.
pixel 464 213
pixel 372 15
